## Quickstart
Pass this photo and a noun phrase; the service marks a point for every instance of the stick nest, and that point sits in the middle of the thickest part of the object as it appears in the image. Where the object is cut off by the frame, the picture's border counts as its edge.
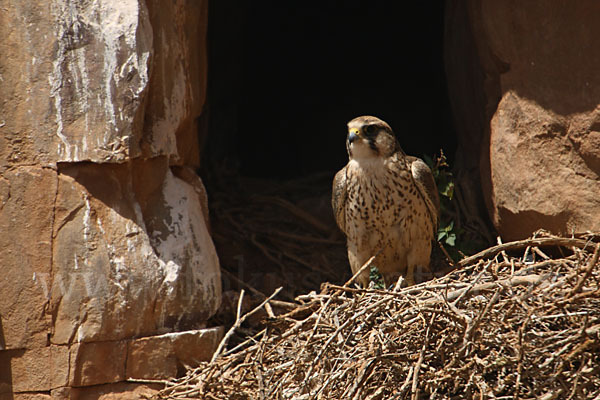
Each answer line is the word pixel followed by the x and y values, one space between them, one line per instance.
pixel 518 320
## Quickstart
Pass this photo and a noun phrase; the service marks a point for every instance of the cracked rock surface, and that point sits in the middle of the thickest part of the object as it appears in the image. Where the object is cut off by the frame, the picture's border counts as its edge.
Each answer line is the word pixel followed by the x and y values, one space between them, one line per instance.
pixel 104 223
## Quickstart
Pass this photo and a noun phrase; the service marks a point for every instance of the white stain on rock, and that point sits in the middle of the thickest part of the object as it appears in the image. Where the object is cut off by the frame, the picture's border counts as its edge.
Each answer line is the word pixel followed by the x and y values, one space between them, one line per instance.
pixel 185 251
pixel 99 75
pixel 113 279
pixel 55 81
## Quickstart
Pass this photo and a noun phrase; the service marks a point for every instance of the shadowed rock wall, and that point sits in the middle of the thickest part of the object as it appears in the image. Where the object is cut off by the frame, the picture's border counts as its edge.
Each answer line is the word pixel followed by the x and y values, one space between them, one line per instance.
pixel 105 247
pixel 525 89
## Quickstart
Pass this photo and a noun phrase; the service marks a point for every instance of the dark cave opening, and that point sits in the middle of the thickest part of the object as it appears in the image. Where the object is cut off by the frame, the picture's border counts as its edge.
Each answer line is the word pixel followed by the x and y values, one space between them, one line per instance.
pixel 284 78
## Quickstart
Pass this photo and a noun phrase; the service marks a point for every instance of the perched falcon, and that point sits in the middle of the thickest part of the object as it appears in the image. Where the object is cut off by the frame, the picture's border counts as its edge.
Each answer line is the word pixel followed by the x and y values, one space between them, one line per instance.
pixel 385 202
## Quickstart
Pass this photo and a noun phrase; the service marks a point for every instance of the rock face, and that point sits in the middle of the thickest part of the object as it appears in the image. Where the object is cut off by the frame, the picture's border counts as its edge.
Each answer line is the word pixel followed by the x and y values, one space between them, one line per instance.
pixel 105 240
pixel 526 76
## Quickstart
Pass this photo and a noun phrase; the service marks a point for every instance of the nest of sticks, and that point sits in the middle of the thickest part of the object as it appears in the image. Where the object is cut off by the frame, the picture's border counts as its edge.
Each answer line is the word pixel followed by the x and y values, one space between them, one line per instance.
pixel 518 320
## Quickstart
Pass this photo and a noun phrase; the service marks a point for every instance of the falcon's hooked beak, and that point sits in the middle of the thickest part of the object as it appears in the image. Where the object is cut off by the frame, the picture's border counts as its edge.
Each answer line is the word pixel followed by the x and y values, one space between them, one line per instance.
pixel 353 134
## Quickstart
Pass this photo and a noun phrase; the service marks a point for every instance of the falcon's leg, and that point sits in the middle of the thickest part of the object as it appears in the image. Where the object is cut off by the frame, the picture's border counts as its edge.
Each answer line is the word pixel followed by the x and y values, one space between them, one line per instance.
pixel 355 264
pixel 410 275
pixel 418 262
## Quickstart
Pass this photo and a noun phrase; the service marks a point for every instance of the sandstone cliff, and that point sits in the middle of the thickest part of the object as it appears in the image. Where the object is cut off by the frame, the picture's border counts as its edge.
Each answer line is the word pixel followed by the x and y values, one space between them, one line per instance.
pixel 105 248
pixel 525 93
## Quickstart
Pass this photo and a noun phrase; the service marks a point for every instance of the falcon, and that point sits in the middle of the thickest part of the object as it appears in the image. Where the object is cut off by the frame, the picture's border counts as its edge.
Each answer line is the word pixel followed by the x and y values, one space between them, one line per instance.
pixel 386 203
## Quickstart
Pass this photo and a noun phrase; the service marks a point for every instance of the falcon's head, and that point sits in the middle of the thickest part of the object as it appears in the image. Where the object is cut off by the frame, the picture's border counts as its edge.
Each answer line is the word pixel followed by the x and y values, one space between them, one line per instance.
pixel 369 137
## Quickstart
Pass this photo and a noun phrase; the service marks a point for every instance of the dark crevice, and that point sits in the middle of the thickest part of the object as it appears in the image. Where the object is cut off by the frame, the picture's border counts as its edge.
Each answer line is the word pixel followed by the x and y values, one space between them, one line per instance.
pixel 284 78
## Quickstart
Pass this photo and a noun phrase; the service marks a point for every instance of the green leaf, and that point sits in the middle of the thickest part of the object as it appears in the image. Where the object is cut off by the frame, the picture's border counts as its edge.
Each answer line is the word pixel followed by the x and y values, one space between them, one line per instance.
pixel 448 190
pixel 375 276
pixel 451 240
pixel 441 235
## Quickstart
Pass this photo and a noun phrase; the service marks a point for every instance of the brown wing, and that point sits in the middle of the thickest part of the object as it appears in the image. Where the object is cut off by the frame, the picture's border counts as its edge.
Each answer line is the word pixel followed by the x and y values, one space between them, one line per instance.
pixel 426 184
pixel 339 196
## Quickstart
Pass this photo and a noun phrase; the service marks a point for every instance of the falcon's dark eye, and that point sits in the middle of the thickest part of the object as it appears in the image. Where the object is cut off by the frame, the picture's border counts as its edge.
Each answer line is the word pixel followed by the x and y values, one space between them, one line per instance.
pixel 370 130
